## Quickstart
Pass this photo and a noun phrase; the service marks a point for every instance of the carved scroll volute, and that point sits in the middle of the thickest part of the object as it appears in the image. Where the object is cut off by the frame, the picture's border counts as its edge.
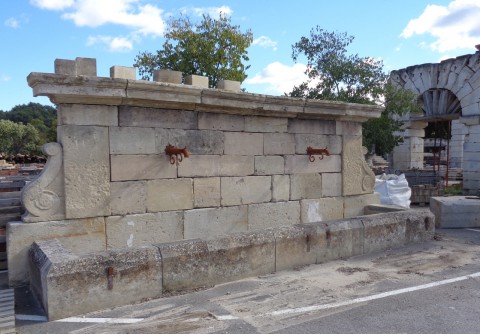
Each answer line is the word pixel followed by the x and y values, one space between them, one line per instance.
pixel 43 198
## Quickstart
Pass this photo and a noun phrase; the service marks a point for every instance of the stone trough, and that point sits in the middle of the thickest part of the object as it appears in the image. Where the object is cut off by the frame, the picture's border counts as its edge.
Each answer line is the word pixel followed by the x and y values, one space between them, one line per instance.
pixel 67 284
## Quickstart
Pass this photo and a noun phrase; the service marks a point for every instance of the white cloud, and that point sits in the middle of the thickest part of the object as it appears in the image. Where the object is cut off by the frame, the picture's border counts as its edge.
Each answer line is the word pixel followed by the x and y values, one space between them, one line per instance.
pixel 52 4
pixel 12 22
pixel 280 78
pixel 141 19
pixel 213 12
pixel 455 26
pixel 4 77
pixel 16 22
pixel 114 44
pixel 265 42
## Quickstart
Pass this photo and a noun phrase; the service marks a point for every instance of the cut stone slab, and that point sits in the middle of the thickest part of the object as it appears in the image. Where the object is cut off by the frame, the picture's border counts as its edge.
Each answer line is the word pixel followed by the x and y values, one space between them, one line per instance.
pixel 68 285
pixel 456 211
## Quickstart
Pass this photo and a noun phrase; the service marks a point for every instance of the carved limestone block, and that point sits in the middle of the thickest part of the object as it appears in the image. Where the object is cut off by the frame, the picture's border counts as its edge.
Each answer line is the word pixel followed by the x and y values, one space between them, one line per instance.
pixel 358 178
pixel 44 198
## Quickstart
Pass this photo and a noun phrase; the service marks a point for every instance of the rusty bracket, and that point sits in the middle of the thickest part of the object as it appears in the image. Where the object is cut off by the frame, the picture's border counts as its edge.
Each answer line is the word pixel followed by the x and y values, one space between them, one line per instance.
pixel 317 151
pixel 110 278
pixel 176 154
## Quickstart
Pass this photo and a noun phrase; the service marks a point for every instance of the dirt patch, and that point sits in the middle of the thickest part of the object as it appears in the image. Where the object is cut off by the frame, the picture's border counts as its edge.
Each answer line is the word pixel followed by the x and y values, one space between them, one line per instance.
pixel 350 270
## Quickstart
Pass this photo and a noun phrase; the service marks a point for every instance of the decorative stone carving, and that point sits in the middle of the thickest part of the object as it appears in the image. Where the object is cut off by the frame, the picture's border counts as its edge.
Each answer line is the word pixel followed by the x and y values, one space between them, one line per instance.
pixel 358 178
pixel 43 198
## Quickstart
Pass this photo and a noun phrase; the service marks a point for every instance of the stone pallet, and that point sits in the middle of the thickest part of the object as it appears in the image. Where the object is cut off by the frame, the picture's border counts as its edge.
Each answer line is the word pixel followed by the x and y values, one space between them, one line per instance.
pixel 421 194
pixel 7 312
pixel 10 210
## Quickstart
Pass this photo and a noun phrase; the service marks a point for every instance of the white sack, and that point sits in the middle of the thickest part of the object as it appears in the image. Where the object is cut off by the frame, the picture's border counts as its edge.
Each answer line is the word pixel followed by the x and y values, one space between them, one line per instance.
pixel 393 189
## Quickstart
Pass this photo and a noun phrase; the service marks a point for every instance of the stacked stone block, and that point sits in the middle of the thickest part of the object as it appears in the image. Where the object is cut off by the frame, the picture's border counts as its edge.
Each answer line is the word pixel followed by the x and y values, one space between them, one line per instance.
pixel 244 173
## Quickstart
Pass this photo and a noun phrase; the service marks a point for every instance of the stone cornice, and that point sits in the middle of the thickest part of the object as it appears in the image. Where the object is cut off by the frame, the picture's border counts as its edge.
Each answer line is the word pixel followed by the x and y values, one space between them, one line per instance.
pixel 80 89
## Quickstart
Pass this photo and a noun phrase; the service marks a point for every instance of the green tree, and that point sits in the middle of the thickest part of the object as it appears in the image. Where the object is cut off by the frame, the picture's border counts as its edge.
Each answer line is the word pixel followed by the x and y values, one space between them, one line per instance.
pixel 42 117
pixel 18 138
pixel 212 47
pixel 334 74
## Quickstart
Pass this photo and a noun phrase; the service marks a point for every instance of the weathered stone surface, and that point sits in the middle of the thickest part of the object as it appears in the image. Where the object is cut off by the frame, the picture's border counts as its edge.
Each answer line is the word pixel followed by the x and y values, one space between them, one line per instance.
pixel 169 76
pixel 354 205
pixel 186 265
pixel 136 274
pixel 323 209
pixel 212 222
pixel 420 226
pixel 241 143
pixel 382 232
pixel 349 128
pixel 382 208
pixel 132 140
pixel 86 66
pixel 266 215
pixel 128 197
pixel 246 190
pixel 196 80
pixel 280 188
pixel 332 143
pixel 455 212
pixel 195 263
pixel 332 184
pixel 44 197
pixel 321 127
pixel 358 178
pixel 241 255
pixel 143 229
pixel 196 141
pixel 206 192
pixel 300 164
pixel 224 122
pixel 269 165
pixel 298 245
pixel 142 167
pixel 84 114
pixel 305 186
pixel 86 164
pixel 65 66
pixel 216 165
pixel 78 235
pixel 158 118
pixel 123 72
pixel 169 195
pixel 344 239
pixel 229 85
pixel 278 144
pixel 265 124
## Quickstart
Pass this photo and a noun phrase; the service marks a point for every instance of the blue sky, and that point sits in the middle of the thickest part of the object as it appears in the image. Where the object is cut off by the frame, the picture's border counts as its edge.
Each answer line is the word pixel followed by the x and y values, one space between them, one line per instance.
pixel 402 33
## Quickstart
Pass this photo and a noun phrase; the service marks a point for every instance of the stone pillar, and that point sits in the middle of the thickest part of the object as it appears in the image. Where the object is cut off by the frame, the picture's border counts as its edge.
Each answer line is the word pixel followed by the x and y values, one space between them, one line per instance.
pixel 459 130
pixel 409 154
pixel 471 156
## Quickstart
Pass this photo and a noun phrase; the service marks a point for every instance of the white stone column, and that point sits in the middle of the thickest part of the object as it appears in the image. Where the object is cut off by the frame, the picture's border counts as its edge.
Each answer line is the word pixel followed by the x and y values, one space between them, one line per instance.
pixel 409 154
pixel 459 130
pixel 471 156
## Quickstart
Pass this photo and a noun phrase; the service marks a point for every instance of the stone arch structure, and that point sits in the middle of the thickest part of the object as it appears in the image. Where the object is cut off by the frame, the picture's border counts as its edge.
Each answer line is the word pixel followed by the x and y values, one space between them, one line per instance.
pixel 449 90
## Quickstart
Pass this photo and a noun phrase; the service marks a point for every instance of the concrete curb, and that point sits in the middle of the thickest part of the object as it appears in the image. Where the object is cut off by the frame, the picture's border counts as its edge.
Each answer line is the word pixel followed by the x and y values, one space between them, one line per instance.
pixel 147 272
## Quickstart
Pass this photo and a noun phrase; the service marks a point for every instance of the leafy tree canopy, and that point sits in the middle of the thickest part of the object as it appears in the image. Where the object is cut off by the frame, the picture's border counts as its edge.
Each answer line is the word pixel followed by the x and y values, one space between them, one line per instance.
pixel 43 118
pixel 18 138
pixel 212 47
pixel 334 74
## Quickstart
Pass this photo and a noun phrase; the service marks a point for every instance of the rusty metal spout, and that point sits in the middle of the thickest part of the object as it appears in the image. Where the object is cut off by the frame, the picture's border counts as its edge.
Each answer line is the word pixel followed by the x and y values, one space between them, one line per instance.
pixel 317 151
pixel 176 154
pixel 110 278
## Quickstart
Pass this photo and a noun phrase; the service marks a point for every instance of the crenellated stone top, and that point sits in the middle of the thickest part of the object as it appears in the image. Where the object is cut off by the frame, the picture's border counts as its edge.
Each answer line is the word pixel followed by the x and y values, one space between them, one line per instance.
pixel 76 81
